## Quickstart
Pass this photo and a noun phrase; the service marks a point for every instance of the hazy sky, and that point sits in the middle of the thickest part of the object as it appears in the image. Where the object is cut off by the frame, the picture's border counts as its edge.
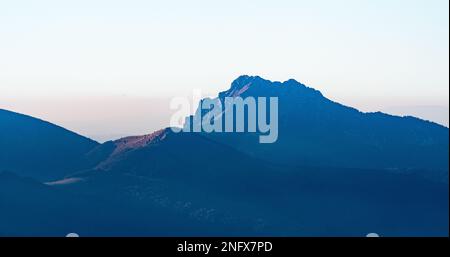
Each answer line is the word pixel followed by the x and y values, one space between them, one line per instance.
pixel 107 68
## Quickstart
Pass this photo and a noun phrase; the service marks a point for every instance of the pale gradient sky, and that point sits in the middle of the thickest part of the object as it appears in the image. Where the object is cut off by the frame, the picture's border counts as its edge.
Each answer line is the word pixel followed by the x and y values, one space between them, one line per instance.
pixel 107 68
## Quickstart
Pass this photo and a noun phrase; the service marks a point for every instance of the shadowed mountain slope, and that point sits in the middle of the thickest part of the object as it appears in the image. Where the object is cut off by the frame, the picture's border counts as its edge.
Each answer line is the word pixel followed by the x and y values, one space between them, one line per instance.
pixel 39 149
pixel 334 171
pixel 316 131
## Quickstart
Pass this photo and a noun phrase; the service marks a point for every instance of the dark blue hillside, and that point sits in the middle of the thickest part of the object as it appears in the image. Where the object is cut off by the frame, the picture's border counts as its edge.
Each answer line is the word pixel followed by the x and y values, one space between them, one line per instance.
pixel 39 149
pixel 334 171
pixel 316 131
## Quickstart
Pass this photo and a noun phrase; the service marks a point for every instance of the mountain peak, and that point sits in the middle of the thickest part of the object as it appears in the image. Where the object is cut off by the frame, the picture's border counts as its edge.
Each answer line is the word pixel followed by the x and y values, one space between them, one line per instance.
pixel 245 79
pixel 258 85
pixel 242 84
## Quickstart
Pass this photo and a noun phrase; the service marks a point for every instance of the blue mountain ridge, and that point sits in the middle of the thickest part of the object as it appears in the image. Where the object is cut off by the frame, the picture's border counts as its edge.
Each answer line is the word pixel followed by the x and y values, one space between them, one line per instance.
pixel 334 171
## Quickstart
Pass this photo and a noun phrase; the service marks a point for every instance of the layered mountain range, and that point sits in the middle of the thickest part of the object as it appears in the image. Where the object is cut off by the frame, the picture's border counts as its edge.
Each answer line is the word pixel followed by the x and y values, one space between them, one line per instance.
pixel 334 171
